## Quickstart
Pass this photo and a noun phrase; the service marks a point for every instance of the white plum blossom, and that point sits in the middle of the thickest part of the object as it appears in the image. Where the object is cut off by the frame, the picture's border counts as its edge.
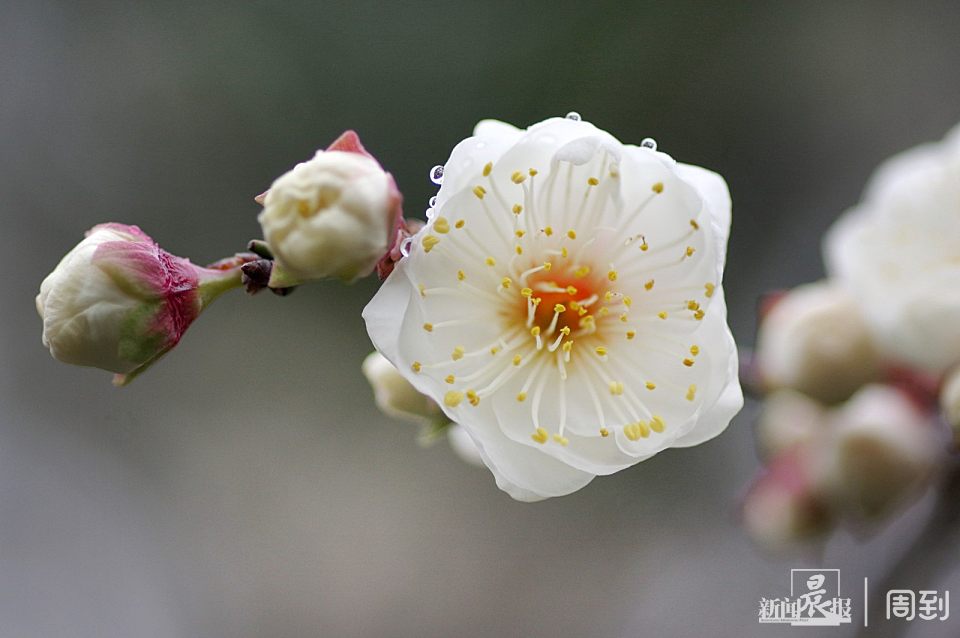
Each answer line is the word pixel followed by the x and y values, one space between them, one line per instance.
pixel 564 304
pixel 332 216
pixel 815 340
pixel 898 252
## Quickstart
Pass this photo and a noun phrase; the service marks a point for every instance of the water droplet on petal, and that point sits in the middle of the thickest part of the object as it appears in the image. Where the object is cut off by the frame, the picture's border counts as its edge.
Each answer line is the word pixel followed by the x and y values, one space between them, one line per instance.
pixel 436 174
pixel 432 202
pixel 649 142
pixel 405 246
pixel 573 115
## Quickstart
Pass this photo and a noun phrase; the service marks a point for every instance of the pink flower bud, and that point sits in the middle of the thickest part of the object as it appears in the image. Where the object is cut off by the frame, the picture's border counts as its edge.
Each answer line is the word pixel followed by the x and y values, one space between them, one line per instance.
pixel 118 301
pixel 784 507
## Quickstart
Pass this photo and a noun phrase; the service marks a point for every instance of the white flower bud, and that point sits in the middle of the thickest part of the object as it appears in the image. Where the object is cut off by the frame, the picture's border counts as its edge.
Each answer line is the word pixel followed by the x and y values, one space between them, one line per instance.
pixel 395 396
pixel 787 419
pixel 332 216
pixel 882 450
pixel 816 341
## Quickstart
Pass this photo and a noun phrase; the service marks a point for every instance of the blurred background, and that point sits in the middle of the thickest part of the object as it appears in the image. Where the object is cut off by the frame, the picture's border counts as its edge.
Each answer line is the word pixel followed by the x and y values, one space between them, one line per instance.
pixel 247 486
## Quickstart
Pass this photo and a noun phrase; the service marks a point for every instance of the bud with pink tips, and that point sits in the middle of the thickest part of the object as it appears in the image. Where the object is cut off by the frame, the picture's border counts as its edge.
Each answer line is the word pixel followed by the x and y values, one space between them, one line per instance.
pixel 119 302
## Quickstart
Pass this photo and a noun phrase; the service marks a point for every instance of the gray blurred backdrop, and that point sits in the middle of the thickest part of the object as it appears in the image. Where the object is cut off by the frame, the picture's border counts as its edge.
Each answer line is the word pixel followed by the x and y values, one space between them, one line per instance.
pixel 246 486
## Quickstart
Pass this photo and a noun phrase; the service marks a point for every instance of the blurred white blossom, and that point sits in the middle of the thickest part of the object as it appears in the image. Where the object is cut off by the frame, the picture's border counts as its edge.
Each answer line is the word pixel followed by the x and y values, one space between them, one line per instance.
pixel 898 253
pixel 564 304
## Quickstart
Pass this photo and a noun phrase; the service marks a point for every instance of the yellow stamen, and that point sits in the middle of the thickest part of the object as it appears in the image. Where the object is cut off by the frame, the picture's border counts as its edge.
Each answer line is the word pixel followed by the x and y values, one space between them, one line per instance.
pixel 452 398
pixel 429 241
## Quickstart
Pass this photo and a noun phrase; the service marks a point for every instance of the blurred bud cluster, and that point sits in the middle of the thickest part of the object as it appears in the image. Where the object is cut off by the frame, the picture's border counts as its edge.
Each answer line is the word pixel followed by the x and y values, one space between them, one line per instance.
pixel 860 372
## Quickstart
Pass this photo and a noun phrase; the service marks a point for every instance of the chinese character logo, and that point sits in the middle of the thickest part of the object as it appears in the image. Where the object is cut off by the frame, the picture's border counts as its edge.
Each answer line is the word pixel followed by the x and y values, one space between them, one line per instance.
pixel 904 604
pixel 814 601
